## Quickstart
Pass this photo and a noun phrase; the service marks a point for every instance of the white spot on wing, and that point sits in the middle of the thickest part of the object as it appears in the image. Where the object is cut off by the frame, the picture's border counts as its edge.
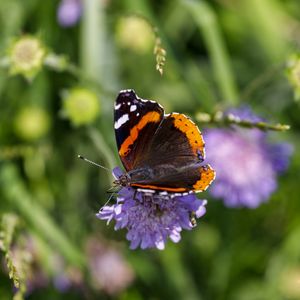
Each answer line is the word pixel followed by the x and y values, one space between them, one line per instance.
pixel 122 120
pixel 163 193
pixel 126 91
pixel 118 106
pixel 133 107
pixel 146 191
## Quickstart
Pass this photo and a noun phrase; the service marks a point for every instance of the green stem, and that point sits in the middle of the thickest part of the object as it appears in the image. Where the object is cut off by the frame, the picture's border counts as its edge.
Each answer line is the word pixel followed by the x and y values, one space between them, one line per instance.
pixel 15 191
pixel 98 59
pixel 261 80
pixel 61 63
pixel 102 147
pixel 183 285
pixel 206 20
pixel 228 119
pixel 91 38
pixel 267 26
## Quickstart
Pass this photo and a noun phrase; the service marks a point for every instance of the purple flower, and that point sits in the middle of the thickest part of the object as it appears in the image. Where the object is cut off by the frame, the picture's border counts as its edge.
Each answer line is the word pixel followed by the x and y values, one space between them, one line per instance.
pixel 65 277
pixel 109 271
pixel 69 12
pixel 151 218
pixel 246 164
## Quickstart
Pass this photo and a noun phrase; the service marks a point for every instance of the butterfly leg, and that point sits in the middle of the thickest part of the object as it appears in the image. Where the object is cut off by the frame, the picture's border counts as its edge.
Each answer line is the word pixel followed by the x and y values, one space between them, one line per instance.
pixel 134 195
pixel 110 197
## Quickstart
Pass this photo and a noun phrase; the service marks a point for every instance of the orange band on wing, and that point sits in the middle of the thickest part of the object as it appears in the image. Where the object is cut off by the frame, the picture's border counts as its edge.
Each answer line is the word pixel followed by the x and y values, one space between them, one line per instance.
pixel 192 132
pixel 168 189
pixel 152 116
pixel 207 177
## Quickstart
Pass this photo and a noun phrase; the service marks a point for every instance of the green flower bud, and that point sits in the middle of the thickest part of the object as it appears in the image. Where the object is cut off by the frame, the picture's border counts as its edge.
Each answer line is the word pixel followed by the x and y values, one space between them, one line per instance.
pixel 293 74
pixel 81 106
pixel 32 123
pixel 26 56
pixel 135 33
pixel 289 282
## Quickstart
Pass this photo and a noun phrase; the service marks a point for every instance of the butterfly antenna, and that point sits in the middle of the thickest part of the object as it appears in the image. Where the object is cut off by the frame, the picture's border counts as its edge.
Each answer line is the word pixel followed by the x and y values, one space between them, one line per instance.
pixel 93 163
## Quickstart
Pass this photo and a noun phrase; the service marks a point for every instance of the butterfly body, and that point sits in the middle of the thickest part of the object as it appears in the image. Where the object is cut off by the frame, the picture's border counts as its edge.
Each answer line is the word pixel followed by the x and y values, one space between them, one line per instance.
pixel 159 152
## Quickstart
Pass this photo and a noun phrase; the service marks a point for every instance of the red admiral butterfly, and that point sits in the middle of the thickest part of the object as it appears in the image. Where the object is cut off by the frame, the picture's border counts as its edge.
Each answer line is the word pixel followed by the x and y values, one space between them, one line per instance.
pixel 159 152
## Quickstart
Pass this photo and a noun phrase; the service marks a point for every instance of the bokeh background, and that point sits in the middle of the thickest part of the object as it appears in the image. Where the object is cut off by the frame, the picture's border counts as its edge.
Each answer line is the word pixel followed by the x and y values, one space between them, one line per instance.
pixel 62 65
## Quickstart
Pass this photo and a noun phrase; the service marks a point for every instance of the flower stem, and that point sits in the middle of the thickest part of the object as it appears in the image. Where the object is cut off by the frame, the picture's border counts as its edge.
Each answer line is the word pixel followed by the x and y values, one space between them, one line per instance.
pixel 91 37
pixel 102 147
pixel 178 275
pixel 261 80
pixel 206 20
pixel 221 119
pixel 268 26
pixel 16 193
pixel 98 59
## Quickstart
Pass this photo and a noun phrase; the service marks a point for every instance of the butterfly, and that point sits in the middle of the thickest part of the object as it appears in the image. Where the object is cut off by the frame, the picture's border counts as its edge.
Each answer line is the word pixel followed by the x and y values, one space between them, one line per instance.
pixel 160 152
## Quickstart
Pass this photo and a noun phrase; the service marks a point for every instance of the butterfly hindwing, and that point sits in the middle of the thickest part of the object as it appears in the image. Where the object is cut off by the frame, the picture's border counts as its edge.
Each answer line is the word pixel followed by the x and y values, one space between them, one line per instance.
pixel 193 178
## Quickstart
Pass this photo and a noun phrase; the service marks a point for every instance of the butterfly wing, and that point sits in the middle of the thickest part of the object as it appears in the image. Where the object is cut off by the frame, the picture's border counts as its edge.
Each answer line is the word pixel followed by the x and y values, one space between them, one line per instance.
pixel 193 178
pixel 136 121
pixel 173 158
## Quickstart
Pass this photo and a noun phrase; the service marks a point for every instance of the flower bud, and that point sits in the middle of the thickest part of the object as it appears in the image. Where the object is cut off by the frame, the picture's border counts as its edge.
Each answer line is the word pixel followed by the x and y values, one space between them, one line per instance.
pixel 135 33
pixel 32 123
pixel 81 106
pixel 293 74
pixel 289 283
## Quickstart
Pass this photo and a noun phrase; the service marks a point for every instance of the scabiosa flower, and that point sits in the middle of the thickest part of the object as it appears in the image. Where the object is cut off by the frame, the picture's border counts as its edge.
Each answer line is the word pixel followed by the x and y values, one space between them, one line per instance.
pixel 26 56
pixel 81 106
pixel 69 12
pixel 65 277
pixel 151 218
pixel 246 163
pixel 108 268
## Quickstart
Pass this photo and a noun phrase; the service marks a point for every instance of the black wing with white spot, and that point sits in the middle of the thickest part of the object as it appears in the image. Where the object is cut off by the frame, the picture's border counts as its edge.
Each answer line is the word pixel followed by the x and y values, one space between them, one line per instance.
pixel 135 122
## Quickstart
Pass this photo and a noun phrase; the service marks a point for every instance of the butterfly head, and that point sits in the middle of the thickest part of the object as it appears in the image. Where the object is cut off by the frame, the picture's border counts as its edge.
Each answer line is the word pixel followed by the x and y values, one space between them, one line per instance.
pixel 123 180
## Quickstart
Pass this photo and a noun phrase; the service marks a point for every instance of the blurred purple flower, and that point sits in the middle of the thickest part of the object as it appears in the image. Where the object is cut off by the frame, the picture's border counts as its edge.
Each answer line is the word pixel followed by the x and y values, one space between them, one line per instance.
pixel 151 218
pixel 65 277
pixel 62 282
pixel 246 164
pixel 108 268
pixel 69 12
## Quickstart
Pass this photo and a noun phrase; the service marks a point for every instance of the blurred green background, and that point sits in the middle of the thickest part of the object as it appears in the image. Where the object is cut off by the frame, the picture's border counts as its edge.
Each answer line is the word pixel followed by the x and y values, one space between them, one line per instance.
pixel 56 101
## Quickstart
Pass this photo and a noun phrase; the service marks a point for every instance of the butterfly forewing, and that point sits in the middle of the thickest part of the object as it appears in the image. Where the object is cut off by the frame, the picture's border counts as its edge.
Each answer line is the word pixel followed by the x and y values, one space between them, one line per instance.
pixel 136 121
